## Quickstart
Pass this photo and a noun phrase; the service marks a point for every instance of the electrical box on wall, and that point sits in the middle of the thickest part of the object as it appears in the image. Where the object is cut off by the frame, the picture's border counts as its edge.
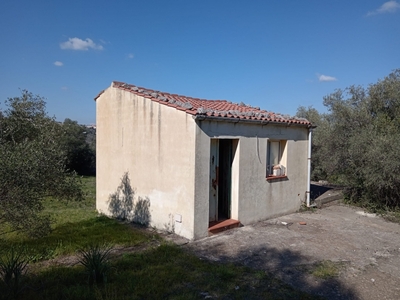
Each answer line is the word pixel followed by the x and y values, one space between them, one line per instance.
pixel 178 218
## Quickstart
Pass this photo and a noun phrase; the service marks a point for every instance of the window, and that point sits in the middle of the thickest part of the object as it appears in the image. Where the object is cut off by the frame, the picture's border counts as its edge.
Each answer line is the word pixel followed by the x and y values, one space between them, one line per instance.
pixel 276 158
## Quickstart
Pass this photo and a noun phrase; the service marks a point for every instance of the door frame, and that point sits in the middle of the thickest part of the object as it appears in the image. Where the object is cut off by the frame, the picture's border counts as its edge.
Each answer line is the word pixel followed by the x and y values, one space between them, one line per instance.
pixel 217 173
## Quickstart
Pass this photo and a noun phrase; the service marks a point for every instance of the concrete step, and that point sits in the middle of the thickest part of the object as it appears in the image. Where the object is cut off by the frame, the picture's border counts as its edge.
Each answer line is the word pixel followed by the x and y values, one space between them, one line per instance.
pixel 331 197
pixel 219 226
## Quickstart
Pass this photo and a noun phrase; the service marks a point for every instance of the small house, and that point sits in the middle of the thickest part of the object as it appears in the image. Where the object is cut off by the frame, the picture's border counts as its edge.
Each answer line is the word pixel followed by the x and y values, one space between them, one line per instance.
pixel 185 164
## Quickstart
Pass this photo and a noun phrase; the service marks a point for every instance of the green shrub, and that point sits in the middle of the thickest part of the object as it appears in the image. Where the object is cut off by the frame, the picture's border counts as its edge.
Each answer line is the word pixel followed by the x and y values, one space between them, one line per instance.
pixel 12 268
pixel 95 259
pixel 356 143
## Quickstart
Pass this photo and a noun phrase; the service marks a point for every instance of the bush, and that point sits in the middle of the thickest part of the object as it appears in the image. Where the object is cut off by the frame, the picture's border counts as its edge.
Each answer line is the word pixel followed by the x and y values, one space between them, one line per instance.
pixel 357 143
pixel 12 269
pixel 95 260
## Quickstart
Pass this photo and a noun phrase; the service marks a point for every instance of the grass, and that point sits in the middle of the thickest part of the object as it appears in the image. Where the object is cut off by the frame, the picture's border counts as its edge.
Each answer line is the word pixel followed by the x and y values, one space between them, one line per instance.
pixel 305 209
pixel 76 226
pixel 326 269
pixel 75 211
pixel 163 272
pixel 392 216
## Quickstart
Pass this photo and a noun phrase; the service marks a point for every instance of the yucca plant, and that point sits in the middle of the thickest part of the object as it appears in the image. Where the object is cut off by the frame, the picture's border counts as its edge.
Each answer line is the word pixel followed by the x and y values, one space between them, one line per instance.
pixel 12 268
pixel 95 259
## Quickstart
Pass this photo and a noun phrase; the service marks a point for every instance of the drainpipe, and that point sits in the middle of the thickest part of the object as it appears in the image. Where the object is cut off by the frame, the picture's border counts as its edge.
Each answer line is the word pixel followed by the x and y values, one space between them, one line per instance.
pixel 309 167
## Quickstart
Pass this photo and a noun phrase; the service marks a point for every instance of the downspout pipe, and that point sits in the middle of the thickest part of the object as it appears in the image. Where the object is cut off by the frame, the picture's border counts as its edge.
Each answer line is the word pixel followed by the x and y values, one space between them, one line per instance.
pixel 309 167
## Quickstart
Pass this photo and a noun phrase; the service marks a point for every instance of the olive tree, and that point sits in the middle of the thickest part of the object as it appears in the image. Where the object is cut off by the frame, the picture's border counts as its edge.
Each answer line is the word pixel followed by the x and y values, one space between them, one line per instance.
pixel 80 155
pixel 32 165
pixel 358 142
pixel 319 121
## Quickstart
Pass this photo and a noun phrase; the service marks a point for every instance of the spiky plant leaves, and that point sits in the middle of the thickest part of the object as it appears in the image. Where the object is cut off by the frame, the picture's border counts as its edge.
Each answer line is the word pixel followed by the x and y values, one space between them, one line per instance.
pixel 12 268
pixel 95 260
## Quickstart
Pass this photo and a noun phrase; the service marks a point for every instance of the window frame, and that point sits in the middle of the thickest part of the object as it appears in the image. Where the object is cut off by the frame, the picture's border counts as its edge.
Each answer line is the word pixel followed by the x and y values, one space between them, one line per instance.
pixel 281 158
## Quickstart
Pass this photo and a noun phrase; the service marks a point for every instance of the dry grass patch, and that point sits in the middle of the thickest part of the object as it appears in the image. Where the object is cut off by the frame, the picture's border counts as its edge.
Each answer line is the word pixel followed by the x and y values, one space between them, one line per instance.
pixel 326 269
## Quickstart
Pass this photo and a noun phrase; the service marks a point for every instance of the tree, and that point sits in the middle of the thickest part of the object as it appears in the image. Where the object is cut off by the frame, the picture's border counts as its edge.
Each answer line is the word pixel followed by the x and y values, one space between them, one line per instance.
pixel 80 156
pixel 318 120
pixel 32 165
pixel 359 140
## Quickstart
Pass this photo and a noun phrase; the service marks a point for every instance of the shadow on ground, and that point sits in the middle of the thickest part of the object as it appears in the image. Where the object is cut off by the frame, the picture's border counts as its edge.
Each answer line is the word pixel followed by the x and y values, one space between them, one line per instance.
pixel 318 190
pixel 290 266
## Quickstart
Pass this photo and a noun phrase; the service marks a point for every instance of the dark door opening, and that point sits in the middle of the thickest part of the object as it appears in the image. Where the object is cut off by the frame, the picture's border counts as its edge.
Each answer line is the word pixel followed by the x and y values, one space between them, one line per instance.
pixel 225 179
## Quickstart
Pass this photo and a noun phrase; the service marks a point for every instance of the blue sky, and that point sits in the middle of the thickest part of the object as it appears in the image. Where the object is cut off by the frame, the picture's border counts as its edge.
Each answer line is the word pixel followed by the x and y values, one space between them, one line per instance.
pixel 274 54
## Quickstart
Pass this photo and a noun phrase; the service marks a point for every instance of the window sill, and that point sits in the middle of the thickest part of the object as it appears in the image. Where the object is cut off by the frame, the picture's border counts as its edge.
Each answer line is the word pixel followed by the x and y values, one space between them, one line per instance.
pixel 273 178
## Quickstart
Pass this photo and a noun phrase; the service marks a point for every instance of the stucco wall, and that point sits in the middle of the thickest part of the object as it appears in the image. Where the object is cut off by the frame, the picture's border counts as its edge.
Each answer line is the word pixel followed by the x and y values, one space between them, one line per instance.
pixel 167 156
pixel 155 144
pixel 253 197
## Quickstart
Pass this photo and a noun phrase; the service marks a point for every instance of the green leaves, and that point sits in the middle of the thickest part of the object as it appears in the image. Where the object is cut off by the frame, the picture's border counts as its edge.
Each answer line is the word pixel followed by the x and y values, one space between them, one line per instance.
pixel 12 269
pixel 80 155
pixel 32 165
pixel 357 143
pixel 95 260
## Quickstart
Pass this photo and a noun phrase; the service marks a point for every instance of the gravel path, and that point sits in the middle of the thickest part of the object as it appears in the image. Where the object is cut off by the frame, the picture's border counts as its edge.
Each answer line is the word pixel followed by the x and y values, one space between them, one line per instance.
pixel 365 247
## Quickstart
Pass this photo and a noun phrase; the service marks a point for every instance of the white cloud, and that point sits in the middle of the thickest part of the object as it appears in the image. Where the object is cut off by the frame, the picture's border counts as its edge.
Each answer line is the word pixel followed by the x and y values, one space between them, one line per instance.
pixel 64 88
pixel 78 44
pixel 387 7
pixel 58 63
pixel 326 78
pixel 130 55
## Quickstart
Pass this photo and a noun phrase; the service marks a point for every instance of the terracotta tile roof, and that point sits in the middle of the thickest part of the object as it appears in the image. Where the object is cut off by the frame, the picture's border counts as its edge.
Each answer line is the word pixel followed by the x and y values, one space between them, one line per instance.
pixel 220 109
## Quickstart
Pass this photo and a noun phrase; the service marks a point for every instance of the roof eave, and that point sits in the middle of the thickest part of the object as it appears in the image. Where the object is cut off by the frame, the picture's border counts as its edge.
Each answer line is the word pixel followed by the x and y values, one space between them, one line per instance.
pixel 98 95
pixel 259 122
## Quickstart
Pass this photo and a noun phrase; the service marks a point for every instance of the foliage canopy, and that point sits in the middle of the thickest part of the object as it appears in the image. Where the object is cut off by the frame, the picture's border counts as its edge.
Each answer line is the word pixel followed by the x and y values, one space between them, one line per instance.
pixel 80 155
pixel 357 142
pixel 32 165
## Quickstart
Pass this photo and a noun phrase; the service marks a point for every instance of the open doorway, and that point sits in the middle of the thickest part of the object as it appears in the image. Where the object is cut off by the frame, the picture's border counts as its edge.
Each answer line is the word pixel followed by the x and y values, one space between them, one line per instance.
pixel 221 158
pixel 225 179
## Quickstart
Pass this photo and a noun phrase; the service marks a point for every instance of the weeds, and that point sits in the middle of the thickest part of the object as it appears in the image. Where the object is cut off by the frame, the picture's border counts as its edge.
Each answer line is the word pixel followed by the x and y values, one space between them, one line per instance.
pixel 304 208
pixel 326 269
pixel 12 269
pixel 162 272
pixel 392 216
pixel 95 259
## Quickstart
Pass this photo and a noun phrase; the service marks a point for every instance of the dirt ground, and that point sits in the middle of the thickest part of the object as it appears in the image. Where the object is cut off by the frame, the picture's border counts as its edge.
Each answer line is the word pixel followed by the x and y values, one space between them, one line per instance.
pixel 364 246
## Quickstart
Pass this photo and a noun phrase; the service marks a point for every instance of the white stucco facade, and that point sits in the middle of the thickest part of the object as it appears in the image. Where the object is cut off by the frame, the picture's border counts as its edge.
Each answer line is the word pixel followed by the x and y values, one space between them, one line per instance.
pixel 154 144
pixel 254 198
pixel 167 154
